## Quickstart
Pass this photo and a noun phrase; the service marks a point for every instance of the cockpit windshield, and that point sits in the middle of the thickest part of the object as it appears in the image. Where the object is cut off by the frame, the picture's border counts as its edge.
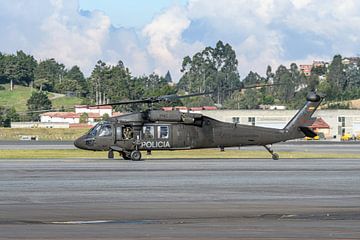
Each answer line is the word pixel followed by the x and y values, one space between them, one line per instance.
pixel 102 129
pixel 93 131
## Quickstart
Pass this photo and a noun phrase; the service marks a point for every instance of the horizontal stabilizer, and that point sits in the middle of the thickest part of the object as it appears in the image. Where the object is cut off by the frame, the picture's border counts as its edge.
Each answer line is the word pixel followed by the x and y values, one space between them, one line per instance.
pixel 308 132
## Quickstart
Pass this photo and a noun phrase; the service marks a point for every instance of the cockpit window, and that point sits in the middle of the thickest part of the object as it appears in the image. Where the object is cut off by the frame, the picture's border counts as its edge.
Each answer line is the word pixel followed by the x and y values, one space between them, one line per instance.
pixel 94 130
pixel 105 131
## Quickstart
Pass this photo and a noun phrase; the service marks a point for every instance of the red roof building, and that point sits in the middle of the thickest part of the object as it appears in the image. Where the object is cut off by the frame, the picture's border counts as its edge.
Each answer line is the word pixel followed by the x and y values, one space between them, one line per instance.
pixel 319 123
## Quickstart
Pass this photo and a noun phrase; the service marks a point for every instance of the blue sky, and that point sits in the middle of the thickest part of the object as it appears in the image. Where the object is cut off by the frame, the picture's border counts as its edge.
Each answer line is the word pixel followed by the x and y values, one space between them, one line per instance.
pixel 127 13
pixel 155 35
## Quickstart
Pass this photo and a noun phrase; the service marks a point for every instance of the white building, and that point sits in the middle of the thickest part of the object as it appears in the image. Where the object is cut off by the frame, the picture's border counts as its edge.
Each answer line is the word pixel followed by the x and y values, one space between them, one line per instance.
pixel 340 121
pixel 67 117
pixel 94 115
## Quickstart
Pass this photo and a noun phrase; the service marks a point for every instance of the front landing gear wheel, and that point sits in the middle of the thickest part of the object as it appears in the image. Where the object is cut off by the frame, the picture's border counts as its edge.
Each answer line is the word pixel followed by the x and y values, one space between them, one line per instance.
pixel 110 154
pixel 135 155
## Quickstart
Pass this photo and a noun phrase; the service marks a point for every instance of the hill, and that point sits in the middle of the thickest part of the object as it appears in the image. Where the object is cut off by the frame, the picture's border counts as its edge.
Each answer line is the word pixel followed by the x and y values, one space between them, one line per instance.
pixel 19 96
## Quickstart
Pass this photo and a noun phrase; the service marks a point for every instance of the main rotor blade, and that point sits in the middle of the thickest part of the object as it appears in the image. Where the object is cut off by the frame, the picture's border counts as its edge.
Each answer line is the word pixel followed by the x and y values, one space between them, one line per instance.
pixel 226 90
pixel 45 110
pixel 173 97
pixel 124 102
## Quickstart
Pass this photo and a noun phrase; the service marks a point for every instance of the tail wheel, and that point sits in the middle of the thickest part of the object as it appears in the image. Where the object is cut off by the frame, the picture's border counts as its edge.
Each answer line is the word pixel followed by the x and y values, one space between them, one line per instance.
pixel 135 155
pixel 110 154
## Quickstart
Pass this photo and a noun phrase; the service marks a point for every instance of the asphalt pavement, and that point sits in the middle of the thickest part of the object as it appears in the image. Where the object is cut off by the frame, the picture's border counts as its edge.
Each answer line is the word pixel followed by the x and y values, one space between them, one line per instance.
pixel 290 146
pixel 180 199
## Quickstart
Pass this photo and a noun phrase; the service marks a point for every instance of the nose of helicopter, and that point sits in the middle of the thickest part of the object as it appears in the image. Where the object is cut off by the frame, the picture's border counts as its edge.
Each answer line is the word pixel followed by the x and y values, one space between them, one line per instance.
pixel 80 143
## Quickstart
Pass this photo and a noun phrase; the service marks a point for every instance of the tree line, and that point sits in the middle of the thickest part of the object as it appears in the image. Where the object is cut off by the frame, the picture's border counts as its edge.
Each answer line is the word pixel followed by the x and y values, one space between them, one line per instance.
pixel 211 69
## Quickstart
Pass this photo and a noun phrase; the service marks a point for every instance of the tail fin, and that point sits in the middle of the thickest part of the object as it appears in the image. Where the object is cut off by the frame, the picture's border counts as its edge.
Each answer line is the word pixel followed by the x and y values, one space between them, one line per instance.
pixel 297 126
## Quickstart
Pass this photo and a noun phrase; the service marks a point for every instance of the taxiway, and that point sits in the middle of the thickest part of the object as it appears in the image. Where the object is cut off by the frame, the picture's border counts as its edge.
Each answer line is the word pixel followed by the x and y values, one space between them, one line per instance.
pixel 175 198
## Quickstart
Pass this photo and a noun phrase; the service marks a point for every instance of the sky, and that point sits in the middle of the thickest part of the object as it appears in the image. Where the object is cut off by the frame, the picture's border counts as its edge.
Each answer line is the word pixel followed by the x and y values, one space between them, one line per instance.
pixel 154 36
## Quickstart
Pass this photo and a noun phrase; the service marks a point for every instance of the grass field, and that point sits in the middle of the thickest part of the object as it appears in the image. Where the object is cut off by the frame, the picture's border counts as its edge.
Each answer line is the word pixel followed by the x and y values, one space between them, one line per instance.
pixel 43 134
pixel 16 98
pixel 19 96
pixel 67 102
pixel 186 154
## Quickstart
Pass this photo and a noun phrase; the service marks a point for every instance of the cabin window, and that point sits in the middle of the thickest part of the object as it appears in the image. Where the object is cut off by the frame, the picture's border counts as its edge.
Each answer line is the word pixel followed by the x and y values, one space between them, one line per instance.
pixel 148 132
pixel 127 132
pixel 118 133
pixel 105 131
pixel 163 132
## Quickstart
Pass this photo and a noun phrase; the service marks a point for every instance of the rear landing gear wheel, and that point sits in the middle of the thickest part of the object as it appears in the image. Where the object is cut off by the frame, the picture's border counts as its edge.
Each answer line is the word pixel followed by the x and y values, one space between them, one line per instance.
pixel 135 155
pixel 275 156
pixel 110 154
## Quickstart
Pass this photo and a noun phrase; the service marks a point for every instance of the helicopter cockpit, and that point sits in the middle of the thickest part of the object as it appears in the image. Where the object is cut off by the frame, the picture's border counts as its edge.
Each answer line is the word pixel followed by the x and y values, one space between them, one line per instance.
pixel 101 130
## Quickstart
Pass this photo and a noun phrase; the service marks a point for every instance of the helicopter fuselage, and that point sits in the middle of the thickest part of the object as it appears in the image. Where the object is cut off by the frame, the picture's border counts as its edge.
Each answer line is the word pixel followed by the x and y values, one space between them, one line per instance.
pixel 174 130
pixel 184 131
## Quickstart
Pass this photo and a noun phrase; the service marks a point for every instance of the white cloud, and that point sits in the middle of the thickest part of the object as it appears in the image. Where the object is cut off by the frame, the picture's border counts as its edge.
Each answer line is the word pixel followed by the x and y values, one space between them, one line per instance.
pixel 164 35
pixel 71 38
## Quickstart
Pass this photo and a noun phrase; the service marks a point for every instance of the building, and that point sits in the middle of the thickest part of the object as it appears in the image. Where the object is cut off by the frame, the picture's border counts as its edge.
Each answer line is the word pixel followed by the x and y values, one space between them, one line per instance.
pixel 94 115
pixel 306 69
pixel 351 60
pixel 333 123
pixel 320 126
pixel 68 117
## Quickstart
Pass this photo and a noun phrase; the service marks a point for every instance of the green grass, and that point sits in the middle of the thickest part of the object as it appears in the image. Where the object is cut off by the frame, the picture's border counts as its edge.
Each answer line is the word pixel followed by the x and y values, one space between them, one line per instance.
pixel 19 96
pixel 186 154
pixel 44 134
pixel 67 102
pixel 16 98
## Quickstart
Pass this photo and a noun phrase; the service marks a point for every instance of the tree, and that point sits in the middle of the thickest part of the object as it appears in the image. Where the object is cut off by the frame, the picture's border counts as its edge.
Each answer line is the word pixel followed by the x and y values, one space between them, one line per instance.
pixel 36 103
pixel 249 99
pixel 10 70
pixel 48 73
pixel 17 69
pixel 336 76
pixel 76 75
pixel 25 68
pixel 7 116
pixel 286 88
pixel 253 78
pixel 105 117
pixel 84 118
pixel 212 69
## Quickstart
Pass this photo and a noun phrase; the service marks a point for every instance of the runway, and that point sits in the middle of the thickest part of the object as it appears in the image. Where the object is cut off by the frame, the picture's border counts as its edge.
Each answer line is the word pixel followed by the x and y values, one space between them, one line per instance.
pixel 174 198
pixel 289 146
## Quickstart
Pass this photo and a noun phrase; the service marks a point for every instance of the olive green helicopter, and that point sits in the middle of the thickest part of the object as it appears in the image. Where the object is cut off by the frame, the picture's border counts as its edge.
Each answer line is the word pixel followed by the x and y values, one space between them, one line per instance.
pixel 129 134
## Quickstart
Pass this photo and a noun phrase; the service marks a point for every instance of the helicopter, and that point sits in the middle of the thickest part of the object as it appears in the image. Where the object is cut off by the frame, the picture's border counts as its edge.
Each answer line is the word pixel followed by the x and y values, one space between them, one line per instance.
pixel 149 130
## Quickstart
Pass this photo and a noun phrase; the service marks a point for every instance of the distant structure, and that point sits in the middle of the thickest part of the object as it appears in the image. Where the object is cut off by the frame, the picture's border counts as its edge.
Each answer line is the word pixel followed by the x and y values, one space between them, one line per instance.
pixel 306 68
pixel 351 60
pixel 168 78
pixel 94 114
